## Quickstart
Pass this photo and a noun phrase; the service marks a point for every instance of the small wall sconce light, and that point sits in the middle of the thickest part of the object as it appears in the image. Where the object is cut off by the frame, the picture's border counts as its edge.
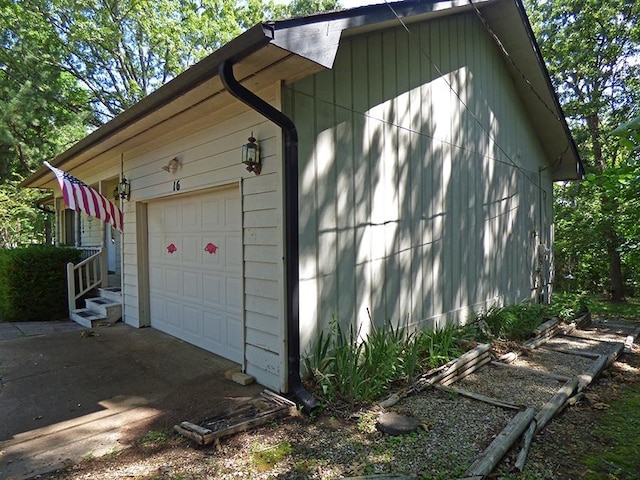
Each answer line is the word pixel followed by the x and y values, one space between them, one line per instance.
pixel 122 190
pixel 173 166
pixel 251 155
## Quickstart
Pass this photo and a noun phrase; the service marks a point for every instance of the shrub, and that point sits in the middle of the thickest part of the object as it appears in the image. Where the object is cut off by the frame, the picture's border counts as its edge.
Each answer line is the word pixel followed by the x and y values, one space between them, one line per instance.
pixel 513 322
pixel 568 306
pixel 33 282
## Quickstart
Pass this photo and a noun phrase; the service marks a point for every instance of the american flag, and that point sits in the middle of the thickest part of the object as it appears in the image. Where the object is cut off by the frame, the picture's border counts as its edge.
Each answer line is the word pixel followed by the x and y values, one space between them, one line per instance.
pixel 81 197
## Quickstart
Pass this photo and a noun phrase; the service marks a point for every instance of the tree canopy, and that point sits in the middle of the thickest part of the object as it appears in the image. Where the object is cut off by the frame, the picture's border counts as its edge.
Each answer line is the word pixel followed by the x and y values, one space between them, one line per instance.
pixel 68 66
pixel 592 50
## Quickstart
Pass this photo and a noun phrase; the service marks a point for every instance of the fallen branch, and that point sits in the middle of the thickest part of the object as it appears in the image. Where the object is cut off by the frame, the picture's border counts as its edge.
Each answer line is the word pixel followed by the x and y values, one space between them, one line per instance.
pixel 598 366
pixel 451 369
pixel 526 446
pixel 482 398
pixel 555 403
pixel 488 459
pixel 580 353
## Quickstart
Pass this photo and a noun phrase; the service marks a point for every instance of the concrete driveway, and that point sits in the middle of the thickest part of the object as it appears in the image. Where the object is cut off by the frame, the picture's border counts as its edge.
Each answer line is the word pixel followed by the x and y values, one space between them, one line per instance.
pixel 66 395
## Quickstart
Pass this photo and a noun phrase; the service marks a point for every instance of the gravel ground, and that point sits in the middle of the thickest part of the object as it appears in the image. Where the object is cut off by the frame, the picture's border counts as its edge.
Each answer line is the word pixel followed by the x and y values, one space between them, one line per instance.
pixel 511 385
pixel 577 343
pixel 553 362
pixel 345 444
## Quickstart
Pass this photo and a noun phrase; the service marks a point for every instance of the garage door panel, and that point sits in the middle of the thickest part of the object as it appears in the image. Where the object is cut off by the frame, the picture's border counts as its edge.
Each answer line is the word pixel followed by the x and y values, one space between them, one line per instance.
pixel 158 305
pixel 173 281
pixel 191 250
pixel 156 278
pixel 213 290
pixel 192 285
pixel 196 290
pixel 172 221
pixel 190 216
pixel 213 326
pixel 232 210
pixel 192 320
pixel 174 314
pixel 211 215
pixel 234 294
pixel 232 252
pixel 234 331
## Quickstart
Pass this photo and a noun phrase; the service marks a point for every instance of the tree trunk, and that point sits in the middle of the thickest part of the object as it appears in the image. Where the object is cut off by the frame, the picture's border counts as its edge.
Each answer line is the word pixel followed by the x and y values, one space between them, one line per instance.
pixel 615 272
pixel 611 240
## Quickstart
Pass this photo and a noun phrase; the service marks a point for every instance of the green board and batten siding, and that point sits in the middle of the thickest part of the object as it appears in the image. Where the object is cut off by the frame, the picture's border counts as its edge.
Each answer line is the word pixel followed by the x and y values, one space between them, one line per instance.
pixel 411 208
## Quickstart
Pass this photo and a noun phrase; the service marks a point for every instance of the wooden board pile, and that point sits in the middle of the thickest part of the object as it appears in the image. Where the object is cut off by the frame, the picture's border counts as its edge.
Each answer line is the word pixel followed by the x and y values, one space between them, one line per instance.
pixel 255 412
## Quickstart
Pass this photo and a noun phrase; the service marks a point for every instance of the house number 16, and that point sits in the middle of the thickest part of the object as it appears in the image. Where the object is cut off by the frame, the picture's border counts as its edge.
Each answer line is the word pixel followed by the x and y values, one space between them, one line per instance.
pixel 176 185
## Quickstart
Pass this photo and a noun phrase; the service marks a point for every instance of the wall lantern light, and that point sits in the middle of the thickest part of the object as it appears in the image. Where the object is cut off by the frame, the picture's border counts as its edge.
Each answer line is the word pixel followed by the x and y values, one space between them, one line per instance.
pixel 251 155
pixel 123 189
pixel 173 166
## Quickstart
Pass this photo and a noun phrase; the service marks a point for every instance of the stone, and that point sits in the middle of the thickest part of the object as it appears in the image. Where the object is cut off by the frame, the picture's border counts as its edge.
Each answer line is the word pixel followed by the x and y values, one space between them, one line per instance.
pixel 242 378
pixel 393 423
pixel 232 371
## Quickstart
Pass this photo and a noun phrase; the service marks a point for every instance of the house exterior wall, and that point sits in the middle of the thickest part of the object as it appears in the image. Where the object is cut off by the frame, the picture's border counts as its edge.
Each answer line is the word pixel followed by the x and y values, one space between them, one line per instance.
pixel 210 157
pixel 412 208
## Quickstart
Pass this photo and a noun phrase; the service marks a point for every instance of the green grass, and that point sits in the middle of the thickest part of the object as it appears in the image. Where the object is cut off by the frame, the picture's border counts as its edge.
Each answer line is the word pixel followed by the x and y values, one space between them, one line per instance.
pixel 629 309
pixel 619 457
pixel 265 459
pixel 153 439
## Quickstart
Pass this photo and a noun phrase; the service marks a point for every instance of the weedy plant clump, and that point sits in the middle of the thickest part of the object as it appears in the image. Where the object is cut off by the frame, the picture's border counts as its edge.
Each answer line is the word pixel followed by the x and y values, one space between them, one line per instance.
pixel 350 367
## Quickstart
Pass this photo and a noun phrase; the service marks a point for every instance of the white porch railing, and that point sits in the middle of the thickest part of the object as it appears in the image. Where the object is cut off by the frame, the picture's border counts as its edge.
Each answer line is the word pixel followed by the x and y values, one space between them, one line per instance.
pixel 84 276
pixel 88 251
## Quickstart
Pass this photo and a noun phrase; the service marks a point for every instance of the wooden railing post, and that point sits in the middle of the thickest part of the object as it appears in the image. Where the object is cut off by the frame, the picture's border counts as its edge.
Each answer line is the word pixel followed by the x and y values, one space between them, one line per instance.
pixel 90 275
pixel 71 287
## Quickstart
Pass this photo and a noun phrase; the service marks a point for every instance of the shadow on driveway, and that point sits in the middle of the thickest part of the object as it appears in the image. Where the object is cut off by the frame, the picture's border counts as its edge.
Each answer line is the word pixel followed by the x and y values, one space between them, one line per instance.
pixel 65 395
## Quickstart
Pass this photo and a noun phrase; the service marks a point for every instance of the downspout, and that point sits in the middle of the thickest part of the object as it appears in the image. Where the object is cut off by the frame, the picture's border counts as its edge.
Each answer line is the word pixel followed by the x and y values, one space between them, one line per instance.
pixel 290 136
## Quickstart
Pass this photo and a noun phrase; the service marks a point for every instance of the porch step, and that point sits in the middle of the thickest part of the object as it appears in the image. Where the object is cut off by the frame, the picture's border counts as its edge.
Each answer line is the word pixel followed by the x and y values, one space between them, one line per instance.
pixel 103 310
pixel 112 293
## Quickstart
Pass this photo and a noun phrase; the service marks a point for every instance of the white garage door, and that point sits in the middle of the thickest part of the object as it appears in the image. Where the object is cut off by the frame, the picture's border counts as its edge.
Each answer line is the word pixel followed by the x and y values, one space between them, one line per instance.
pixel 195 270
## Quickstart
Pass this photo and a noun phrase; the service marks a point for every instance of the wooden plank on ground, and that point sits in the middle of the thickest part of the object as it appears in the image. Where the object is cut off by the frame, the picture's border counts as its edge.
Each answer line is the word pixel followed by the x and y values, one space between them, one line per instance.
pixel 488 459
pixel 253 413
pixel 482 398
pixel 555 403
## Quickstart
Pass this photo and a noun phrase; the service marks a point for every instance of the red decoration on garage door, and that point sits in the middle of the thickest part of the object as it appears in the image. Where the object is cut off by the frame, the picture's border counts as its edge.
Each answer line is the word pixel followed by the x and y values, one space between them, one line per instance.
pixel 172 248
pixel 211 248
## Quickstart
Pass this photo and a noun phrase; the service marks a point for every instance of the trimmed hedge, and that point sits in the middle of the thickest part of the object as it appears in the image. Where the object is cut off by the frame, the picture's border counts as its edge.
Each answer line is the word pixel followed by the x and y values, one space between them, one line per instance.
pixel 33 284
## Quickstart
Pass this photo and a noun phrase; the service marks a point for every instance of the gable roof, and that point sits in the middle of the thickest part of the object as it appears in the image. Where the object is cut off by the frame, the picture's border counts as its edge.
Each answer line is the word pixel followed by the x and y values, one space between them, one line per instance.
pixel 295 48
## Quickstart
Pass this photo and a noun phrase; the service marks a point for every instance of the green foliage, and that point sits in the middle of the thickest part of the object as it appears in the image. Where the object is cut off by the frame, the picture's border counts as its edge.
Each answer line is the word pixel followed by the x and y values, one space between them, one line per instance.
pixel 265 459
pixel 67 67
pixel 629 309
pixel 354 369
pixel 629 135
pixel 619 457
pixel 591 48
pixel 568 306
pixel 20 220
pixel 513 322
pixel 30 273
